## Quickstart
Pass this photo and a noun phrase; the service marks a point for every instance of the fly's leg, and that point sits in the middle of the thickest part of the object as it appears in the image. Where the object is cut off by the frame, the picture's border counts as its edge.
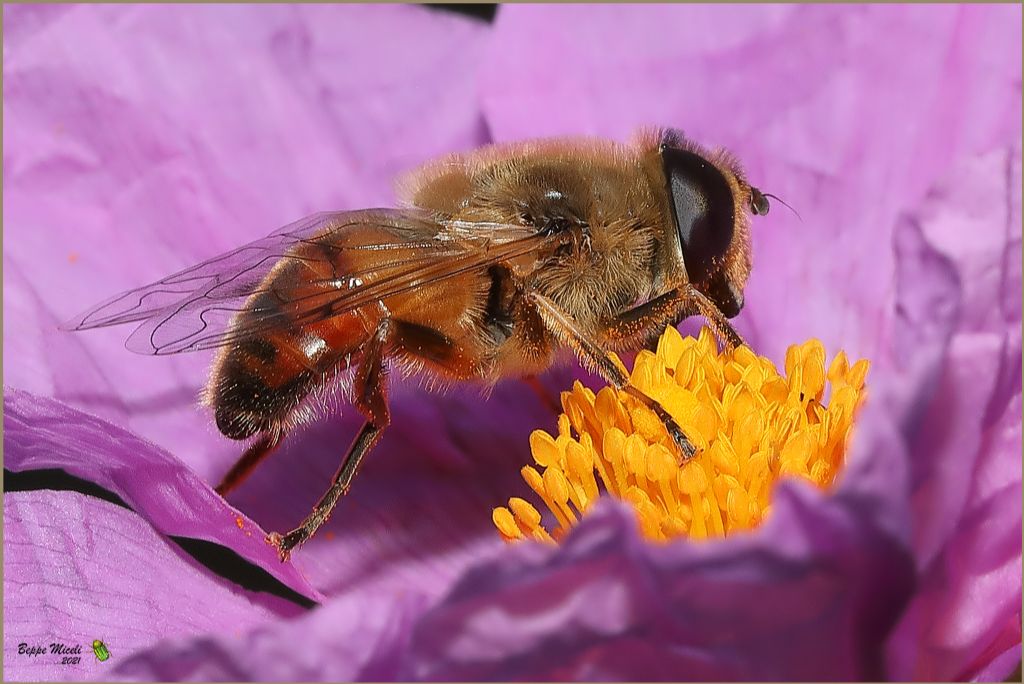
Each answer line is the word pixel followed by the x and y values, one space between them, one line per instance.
pixel 370 397
pixel 437 351
pixel 368 436
pixel 251 457
pixel 591 354
pixel 633 327
pixel 545 397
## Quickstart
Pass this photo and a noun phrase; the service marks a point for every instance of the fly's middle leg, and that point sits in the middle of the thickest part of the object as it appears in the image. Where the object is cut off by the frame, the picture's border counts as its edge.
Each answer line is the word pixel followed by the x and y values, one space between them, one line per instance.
pixel 591 353
pixel 370 398
pixel 392 337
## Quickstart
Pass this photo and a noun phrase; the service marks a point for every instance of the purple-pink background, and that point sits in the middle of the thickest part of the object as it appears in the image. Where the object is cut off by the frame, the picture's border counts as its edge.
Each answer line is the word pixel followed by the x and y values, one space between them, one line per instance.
pixel 140 139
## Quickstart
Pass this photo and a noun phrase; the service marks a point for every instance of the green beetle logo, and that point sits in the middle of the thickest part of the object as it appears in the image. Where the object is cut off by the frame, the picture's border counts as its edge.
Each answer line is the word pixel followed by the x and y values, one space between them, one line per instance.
pixel 101 650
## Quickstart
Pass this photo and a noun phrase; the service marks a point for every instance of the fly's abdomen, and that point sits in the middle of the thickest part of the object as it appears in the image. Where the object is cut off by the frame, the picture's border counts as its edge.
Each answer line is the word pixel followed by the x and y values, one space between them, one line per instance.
pixel 258 383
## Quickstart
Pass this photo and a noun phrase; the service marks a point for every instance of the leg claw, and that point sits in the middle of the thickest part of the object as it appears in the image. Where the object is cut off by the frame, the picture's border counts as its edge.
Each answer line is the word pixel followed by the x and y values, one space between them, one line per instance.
pixel 285 544
pixel 686 447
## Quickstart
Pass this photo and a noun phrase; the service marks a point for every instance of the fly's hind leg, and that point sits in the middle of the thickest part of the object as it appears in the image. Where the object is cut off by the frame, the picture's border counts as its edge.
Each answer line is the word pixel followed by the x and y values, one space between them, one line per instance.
pixel 370 397
pixel 252 457
pixel 591 353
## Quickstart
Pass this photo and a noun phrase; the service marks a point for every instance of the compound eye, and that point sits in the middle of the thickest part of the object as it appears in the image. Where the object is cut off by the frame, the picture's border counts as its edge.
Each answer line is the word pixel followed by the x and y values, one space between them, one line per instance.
pixel 758 202
pixel 703 208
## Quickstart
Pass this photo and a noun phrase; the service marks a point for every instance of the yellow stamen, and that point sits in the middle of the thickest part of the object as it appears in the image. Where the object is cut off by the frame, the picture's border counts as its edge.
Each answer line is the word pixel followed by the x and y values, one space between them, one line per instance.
pixel 751 426
pixel 506 523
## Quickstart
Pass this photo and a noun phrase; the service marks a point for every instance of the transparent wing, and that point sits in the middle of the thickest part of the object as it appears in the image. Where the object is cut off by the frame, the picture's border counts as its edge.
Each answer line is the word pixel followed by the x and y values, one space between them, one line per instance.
pixel 324 265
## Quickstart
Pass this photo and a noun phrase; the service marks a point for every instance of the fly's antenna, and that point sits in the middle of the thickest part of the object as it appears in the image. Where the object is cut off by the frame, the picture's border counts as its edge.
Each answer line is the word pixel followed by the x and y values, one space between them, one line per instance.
pixel 776 197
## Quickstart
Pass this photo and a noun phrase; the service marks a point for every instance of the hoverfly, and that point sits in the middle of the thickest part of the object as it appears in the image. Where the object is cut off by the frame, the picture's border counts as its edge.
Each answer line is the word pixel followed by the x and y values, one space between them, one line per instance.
pixel 500 258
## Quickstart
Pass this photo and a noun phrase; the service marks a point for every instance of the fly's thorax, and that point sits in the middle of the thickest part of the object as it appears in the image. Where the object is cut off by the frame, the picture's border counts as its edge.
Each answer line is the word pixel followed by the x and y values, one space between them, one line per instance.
pixel 600 199
pixel 612 267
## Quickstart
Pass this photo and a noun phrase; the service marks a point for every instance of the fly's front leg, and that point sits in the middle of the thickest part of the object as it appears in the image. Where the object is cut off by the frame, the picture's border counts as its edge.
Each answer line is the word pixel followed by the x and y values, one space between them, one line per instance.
pixel 634 327
pixel 370 397
pixel 593 356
